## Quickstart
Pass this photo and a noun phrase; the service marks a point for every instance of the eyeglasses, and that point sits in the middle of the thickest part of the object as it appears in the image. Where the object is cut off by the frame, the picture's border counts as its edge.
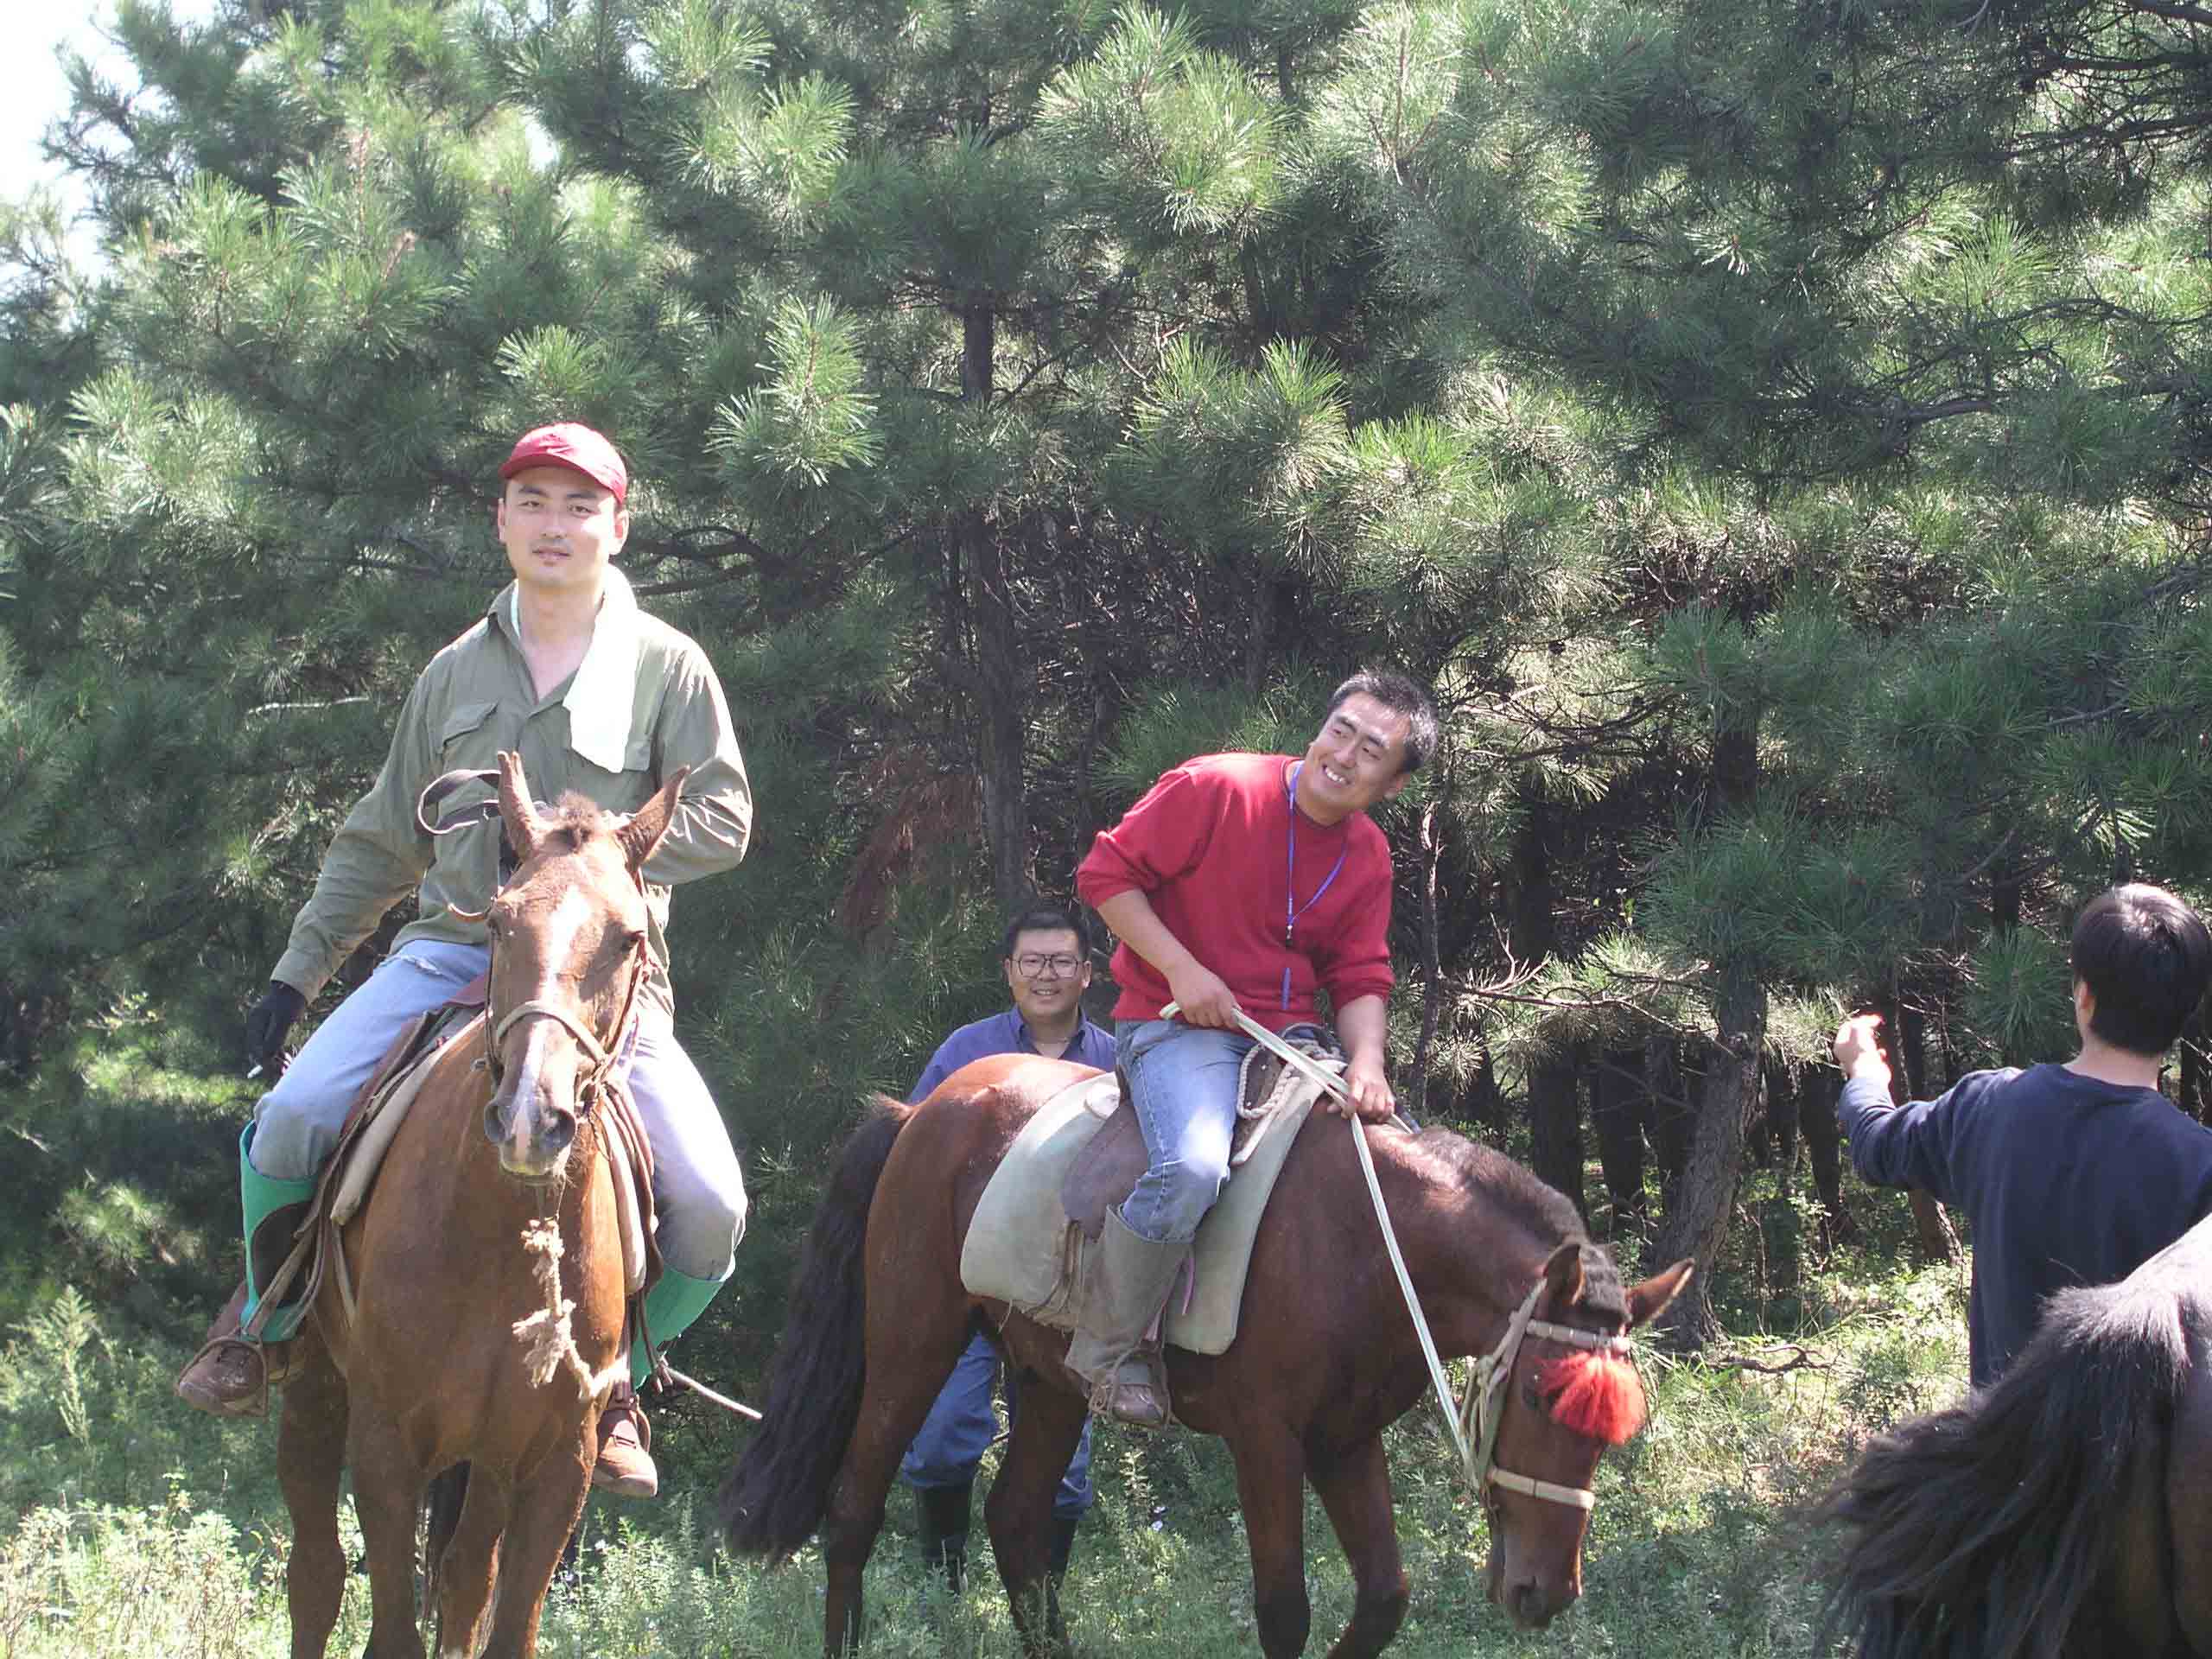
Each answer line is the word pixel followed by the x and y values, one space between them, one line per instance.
pixel 1041 966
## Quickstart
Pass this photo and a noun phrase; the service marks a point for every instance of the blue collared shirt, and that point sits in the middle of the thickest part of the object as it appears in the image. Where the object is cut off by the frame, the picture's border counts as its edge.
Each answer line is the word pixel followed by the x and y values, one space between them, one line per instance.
pixel 1007 1033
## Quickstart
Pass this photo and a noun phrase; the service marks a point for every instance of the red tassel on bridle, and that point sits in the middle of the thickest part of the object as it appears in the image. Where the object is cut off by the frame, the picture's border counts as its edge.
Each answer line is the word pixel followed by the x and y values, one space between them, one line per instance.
pixel 1597 1395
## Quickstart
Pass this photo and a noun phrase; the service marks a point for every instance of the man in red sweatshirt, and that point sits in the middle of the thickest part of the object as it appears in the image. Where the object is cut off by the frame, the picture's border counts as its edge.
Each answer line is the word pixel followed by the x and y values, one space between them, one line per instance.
pixel 1240 882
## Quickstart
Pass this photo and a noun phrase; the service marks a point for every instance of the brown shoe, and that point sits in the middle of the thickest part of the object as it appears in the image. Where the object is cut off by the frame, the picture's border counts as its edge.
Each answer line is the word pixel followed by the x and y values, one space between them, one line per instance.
pixel 1133 1397
pixel 229 1377
pixel 625 1465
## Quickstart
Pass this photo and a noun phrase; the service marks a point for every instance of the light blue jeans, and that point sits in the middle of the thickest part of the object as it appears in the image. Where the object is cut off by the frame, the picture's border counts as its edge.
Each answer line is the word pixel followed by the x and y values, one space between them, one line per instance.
pixel 962 1424
pixel 697 1188
pixel 1183 1086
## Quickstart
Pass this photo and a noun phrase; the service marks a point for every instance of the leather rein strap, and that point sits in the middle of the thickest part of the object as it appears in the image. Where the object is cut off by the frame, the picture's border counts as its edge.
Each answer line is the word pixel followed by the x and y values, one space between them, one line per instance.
pixel 1474 1422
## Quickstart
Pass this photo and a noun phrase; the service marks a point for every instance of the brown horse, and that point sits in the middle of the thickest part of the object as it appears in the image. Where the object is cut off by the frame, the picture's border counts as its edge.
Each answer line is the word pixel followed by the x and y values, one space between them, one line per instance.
pixel 1327 1359
pixel 426 1372
pixel 2065 1511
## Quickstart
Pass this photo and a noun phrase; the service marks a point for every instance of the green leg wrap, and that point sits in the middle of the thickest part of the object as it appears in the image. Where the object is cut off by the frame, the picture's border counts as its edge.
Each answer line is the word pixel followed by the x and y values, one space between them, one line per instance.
pixel 261 1197
pixel 674 1301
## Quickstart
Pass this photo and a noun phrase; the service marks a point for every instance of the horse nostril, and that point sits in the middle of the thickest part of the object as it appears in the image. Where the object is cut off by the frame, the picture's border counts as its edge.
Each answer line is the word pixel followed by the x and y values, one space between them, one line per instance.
pixel 560 1131
pixel 495 1124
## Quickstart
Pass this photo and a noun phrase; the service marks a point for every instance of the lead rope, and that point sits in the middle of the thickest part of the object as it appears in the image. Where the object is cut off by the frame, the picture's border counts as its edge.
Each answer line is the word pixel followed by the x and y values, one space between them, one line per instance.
pixel 1329 1082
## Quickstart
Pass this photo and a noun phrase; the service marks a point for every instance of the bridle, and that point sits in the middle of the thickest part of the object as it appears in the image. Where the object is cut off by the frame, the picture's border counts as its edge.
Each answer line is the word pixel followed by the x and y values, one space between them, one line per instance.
pixel 604 1057
pixel 1474 1422
pixel 1483 1412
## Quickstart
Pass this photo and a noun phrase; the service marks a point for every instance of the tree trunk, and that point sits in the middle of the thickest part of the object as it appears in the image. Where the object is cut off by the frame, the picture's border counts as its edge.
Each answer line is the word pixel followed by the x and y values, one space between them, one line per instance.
pixel 1619 1102
pixel 1671 1116
pixel 1781 1116
pixel 1555 1124
pixel 1485 1104
pixel 1431 967
pixel 1000 741
pixel 1933 1233
pixel 1824 1145
pixel 1696 1222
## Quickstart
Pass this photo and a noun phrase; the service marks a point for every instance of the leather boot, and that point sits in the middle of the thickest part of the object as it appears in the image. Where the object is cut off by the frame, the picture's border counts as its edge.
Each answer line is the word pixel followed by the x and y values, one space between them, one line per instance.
pixel 625 1464
pixel 1125 1281
pixel 941 1517
pixel 229 1377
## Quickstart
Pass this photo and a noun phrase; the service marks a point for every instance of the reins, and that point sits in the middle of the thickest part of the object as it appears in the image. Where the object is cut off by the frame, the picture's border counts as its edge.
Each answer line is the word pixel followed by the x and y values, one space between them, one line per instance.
pixel 1474 1422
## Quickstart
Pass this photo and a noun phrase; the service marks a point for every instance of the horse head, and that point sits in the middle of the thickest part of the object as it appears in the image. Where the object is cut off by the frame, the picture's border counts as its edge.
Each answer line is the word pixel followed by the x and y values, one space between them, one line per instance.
pixel 1564 1394
pixel 569 958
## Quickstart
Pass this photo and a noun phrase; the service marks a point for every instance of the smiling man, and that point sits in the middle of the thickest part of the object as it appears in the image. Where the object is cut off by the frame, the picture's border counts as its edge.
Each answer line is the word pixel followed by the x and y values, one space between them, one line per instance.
pixel 1240 882
pixel 1046 956
pixel 597 697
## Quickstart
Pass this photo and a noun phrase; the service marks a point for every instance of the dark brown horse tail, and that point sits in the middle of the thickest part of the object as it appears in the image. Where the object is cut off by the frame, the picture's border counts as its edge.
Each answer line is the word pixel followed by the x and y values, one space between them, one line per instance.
pixel 774 1498
pixel 1976 1533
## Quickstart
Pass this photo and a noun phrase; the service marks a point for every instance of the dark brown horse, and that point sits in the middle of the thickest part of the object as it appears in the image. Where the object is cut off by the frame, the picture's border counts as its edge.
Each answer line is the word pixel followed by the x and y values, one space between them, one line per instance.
pixel 2064 1512
pixel 427 1373
pixel 1327 1359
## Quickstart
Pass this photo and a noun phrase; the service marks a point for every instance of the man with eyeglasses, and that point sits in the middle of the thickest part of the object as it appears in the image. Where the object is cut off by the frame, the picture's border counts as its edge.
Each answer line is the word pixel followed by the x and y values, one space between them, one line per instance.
pixel 1046 955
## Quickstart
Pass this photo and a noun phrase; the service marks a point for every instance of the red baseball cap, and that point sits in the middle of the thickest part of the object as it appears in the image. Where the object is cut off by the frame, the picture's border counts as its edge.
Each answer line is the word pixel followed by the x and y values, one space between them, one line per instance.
pixel 576 446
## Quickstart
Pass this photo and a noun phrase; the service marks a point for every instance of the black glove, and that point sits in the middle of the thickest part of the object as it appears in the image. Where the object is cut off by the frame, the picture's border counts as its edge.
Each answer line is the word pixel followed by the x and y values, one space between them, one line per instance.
pixel 267 1021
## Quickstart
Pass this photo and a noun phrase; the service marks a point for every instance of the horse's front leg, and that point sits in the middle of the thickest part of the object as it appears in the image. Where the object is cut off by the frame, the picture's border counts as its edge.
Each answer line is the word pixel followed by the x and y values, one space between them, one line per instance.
pixel 310 1458
pixel 544 1511
pixel 1047 1425
pixel 388 1484
pixel 1355 1488
pixel 1270 1487
pixel 468 1564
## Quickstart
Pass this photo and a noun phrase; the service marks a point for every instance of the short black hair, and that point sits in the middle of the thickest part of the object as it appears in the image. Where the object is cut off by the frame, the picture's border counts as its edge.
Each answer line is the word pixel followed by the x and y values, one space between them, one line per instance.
pixel 1045 919
pixel 2147 957
pixel 1400 695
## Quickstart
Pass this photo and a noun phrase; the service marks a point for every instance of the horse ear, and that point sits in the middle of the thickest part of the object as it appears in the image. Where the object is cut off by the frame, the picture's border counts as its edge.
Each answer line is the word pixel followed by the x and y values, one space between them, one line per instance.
pixel 517 811
pixel 1563 1277
pixel 649 821
pixel 1648 1300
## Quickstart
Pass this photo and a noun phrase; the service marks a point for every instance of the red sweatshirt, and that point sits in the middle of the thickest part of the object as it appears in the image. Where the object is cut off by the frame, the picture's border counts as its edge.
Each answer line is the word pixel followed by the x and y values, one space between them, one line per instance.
pixel 1212 846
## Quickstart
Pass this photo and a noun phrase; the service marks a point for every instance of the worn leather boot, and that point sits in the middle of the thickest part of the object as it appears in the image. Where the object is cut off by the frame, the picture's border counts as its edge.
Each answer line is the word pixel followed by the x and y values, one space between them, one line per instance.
pixel 625 1465
pixel 1125 1282
pixel 942 1517
pixel 229 1377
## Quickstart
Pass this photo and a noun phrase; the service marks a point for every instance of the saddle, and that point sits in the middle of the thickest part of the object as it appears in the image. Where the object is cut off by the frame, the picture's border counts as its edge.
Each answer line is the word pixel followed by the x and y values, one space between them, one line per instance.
pixel 1080 1154
pixel 373 1122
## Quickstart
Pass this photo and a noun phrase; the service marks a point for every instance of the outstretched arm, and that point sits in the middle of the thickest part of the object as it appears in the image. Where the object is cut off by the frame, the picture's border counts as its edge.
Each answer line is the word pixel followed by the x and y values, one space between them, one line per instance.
pixel 1365 1025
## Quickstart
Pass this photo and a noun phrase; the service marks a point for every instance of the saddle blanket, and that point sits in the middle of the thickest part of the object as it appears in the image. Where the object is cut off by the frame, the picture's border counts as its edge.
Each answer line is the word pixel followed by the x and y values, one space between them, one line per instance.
pixel 1024 1249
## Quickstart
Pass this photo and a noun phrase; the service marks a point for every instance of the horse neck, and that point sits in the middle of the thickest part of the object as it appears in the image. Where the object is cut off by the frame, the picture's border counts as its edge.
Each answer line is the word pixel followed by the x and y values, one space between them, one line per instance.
pixel 1474 1256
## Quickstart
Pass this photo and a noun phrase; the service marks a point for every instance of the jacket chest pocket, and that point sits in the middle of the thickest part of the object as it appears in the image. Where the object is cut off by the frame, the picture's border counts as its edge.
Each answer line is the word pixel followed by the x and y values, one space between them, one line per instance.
pixel 469 737
pixel 618 791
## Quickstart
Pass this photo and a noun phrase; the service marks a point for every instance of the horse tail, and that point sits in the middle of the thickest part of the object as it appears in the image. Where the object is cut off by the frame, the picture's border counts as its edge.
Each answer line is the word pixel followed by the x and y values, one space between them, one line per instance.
pixel 1976 1533
pixel 774 1496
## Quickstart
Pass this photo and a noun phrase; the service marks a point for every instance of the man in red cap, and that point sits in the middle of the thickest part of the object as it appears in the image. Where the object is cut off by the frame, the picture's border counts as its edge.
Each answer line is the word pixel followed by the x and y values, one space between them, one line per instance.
pixel 598 697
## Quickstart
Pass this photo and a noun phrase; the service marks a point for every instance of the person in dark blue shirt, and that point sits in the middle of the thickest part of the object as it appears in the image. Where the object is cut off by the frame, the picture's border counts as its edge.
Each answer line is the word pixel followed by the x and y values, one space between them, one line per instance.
pixel 1046 955
pixel 2073 1174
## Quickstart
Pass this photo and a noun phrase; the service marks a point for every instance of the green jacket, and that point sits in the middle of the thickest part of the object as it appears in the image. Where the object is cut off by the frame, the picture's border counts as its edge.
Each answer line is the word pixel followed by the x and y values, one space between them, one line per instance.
pixel 644 702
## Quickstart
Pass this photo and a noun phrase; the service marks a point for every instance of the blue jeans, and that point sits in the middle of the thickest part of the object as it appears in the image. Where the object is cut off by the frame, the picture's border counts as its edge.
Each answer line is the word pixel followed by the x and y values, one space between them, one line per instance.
pixel 1183 1086
pixel 697 1188
pixel 962 1424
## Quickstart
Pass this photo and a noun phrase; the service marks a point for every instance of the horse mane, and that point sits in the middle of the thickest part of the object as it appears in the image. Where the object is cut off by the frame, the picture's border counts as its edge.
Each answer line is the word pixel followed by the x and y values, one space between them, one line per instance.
pixel 1543 1210
pixel 1979 1531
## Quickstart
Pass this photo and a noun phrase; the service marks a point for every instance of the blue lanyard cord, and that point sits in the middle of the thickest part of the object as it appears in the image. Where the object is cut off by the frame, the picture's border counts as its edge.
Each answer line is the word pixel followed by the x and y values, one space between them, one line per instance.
pixel 1291 910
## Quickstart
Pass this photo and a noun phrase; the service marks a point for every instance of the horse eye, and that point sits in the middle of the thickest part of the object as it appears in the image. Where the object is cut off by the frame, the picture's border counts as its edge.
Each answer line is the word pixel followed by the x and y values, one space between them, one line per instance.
pixel 1530 1393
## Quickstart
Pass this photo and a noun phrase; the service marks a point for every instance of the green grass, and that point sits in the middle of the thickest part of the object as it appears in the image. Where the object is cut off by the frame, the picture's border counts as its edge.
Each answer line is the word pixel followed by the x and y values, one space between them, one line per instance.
pixel 141 1528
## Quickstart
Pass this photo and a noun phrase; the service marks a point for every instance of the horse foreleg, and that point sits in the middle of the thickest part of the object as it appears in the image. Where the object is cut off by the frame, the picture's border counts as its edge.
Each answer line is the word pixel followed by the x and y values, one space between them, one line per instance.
pixel 1270 1487
pixel 543 1513
pixel 1046 1427
pixel 1355 1488
pixel 470 1564
pixel 310 1458
pixel 388 1486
